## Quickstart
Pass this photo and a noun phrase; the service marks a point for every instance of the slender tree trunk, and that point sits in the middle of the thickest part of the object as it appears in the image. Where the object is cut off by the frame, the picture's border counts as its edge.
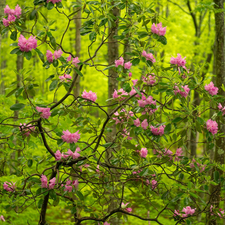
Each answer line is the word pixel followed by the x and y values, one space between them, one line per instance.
pixel 2 60
pixel 220 79
pixel 77 21
pixel 113 54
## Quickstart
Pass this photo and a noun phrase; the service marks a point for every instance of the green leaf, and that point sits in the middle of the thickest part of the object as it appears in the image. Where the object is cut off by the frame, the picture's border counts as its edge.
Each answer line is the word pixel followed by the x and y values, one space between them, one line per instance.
pixel 177 197
pixel 92 36
pixel 200 120
pixel 11 92
pixel 163 40
pixel 135 61
pixel 28 55
pixel 19 91
pixel 80 195
pixel 144 172
pixel 53 85
pixel 193 195
pixel 106 145
pixel 55 62
pixel 49 78
pixel 13 35
pixel 52 194
pixel 216 176
pixel 72 147
pixel 59 4
pixel 137 90
pixel 15 50
pixel 177 119
pixel 53 42
pixel 155 36
pixel 40 202
pixel 33 13
pixel 40 54
pixel 109 67
pixel 50 6
pixel 17 106
pixel 78 72
pixel 126 87
pixel 30 162
pixel 167 129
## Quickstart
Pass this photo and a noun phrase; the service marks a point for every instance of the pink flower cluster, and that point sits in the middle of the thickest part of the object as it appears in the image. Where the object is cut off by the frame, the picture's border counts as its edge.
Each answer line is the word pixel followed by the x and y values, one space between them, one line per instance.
pixel 70 137
pixel 12 15
pixel 106 223
pixel 201 166
pixel 143 152
pixel 69 185
pixel 154 184
pixel 148 56
pixel 146 103
pixel 212 126
pixel 2 218
pixel 169 153
pixel 74 155
pixel 158 29
pixel 45 112
pixel 124 206
pixel 26 129
pixel 211 88
pixel 65 77
pixel 182 93
pixel 74 60
pixel 120 94
pixel 27 45
pixel 178 61
pixel 120 62
pixel 221 108
pixel 122 116
pixel 9 186
pixel 53 1
pixel 56 54
pixel 187 211
pixel 126 134
pixel 44 182
pixel 149 80
pixel 89 95
pixel 157 130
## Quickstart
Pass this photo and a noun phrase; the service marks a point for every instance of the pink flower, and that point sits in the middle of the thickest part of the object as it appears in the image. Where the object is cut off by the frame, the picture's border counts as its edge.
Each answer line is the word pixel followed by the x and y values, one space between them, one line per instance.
pixel 17 11
pixel 176 213
pixel 9 186
pixel 130 74
pixel 221 108
pixel 188 211
pixel 5 22
pixel 149 80
pixel 7 10
pixel 65 77
pixel 57 54
pixel 137 122
pixel 144 124
pixel 75 61
pixel 134 82
pixel 106 223
pixel 154 184
pixel 178 154
pixel 119 94
pixel 158 29
pixel 119 62
pixel 178 61
pixel 58 155
pixel 97 170
pixel 75 184
pixel 212 126
pixel 49 56
pixel 44 181
pixel 211 88
pixel 127 65
pixel 45 112
pixel 12 15
pixel 157 130
pixel 53 1
pixel 52 183
pixel 2 218
pixel 148 56
pixel 143 152
pixel 89 95
pixel 27 45
pixel 74 155
pixel 126 134
pixel 70 137
pixel 129 210
pixel 68 188
pixel 26 129
pixel 221 213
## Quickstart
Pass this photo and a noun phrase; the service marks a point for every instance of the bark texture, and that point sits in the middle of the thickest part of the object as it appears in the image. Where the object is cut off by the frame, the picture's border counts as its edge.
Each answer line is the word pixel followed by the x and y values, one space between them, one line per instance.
pixel 220 79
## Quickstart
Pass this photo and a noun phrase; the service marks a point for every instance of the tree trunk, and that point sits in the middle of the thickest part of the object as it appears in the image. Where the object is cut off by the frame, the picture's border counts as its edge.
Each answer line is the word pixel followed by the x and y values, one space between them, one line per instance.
pixel 77 21
pixel 220 79
pixel 113 54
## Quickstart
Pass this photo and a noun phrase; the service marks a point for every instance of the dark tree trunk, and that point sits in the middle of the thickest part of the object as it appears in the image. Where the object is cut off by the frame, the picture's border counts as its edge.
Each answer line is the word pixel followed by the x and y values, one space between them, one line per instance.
pixel 220 79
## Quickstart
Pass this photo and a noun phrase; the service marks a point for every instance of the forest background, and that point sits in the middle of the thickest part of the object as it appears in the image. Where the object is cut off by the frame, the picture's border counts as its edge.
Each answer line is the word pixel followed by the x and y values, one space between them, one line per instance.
pixel 190 32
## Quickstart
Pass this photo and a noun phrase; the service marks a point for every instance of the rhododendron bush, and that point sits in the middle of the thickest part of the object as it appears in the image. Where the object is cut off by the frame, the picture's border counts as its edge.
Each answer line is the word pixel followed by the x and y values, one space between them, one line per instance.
pixel 144 170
